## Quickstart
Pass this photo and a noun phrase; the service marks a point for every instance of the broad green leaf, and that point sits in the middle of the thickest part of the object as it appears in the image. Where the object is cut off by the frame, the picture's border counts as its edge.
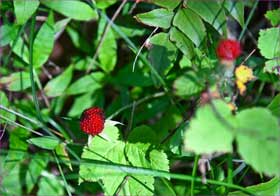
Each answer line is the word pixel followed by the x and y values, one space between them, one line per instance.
pixel 108 51
pixel 236 10
pixel 8 33
pixel 57 86
pixel 157 18
pixel 5 102
pixel 274 106
pixel 271 187
pixel 143 134
pixel 163 52
pixel 103 4
pixel 24 9
pixel 45 142
pixel 44 42
pixel 16 81
pixel 182 42
pixel 21 50
pixel 188 84
pixel 210 129
pixel 11 183
pixel 126 77
pixel 35 167
pixel 74 9
pixel 50 185
pixel 88 83
pixel 113 152
pixel 159 160
pixel 170 4
pixel 258 140
pixel 17 148
pixel 212 13
pixel 191 25
pixel 272 66
pixel 169 121
pixel 273 16
pixel 269 42
pixel 81 103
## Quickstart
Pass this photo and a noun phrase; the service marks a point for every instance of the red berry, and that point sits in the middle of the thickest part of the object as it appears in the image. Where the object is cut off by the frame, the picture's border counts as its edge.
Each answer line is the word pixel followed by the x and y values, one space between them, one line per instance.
pixel 92 121
pixel 228 49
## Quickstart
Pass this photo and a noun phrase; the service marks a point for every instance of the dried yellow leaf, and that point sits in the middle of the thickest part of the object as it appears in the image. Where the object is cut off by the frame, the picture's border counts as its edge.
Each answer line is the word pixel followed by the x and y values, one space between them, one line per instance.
pixel 244 74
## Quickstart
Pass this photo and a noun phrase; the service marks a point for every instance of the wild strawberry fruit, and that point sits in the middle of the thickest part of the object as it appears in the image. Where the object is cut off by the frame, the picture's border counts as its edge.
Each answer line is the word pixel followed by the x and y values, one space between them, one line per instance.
pixel 228 49
pixel 92 121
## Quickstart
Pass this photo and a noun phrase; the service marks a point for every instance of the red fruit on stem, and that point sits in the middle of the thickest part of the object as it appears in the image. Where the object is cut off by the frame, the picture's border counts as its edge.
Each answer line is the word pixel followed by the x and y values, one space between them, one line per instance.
pixel 92 121
pixel 228 49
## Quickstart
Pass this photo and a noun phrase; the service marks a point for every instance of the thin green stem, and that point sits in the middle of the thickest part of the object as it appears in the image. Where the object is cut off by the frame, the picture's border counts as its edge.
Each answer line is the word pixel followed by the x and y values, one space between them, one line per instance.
pixel 62 175
pixel 248 20
pixel 31 75
pixel 229 169
pixel 195 165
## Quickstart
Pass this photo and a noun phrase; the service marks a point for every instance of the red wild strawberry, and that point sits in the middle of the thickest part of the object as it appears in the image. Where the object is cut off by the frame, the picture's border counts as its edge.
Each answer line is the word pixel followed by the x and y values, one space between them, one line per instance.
pixel 92 121
pixel 228 49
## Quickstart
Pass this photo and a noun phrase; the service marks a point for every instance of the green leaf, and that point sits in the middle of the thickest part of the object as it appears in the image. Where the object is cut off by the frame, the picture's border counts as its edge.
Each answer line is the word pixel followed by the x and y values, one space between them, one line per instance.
pixel 143 134
pixel 274 106
pixel 50 185
pixel 170 4
pixel 273 16
pixel 176 142
pixel 182 42
pixel 157 18
pixel 191 25
pixel 35 167
pixel 24 9
pixel 78 39
pixel 44 43
pixel 88 83
pixel 5 102
pixel 11 183
pixel 272 66
pixel 163 52
pixel 108 51
pixel 61 152
pixel 210 130
pixel 16 81
pixel 188 84
pixel 169 121
pixel 45 142
pixel 126 77
pixel 113 152
pixel 271 187
pixel 258 141
pixel 103 4
pixel 17 148
pixel 212 13
pixel 81 103
pixel 185 62
pixel 8 33
pixel 57 86
pixel 236 10
pixel 21 50
pixel 269 42
pixel 74 9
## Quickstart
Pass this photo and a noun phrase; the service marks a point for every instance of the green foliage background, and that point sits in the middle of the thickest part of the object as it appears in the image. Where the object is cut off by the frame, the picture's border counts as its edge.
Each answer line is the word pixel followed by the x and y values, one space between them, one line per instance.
pixel 152 67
